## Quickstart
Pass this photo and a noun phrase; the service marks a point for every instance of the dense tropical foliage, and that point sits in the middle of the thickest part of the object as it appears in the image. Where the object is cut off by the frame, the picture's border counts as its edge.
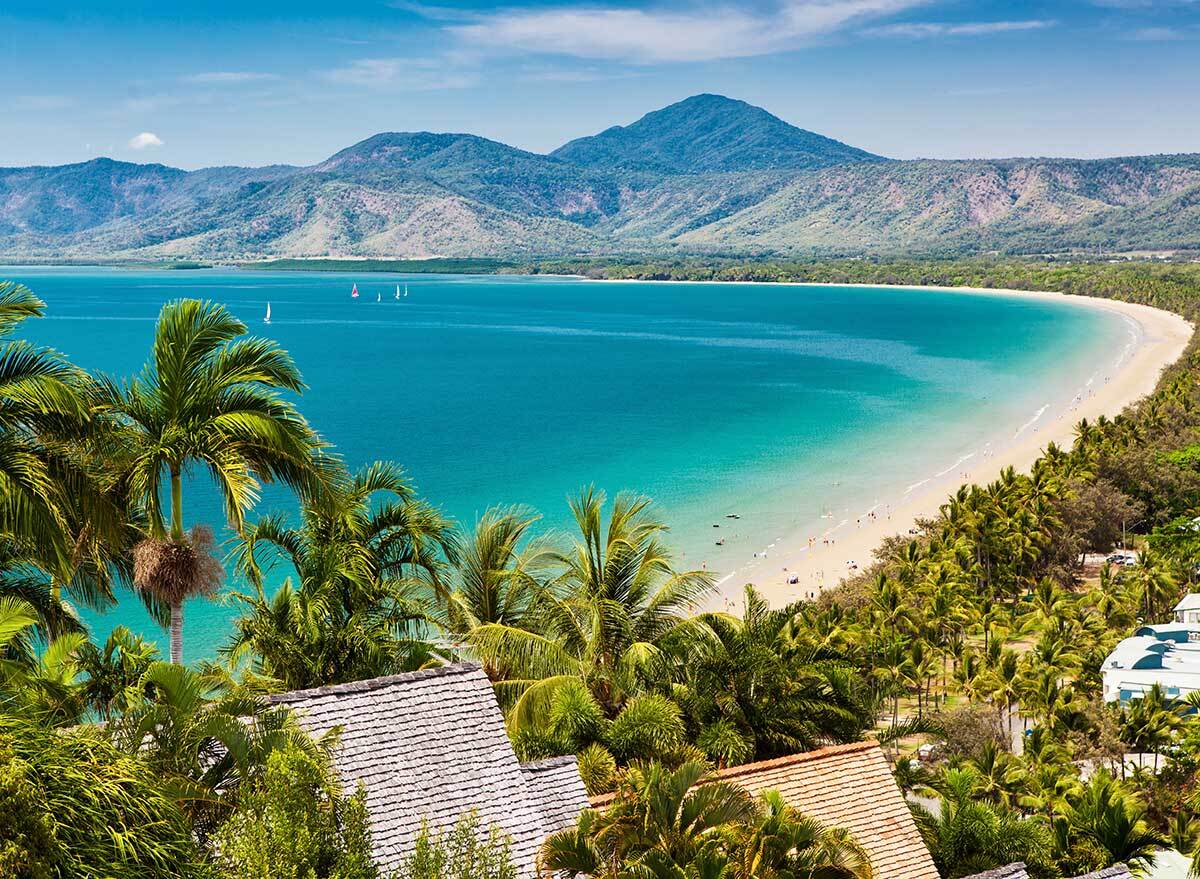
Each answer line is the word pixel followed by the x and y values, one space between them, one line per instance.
pixel 980 634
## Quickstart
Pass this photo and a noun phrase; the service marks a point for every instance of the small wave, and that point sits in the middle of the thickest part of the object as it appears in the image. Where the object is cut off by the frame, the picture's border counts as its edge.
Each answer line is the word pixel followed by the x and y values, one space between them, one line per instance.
pixel 963 459
pixel 1032 421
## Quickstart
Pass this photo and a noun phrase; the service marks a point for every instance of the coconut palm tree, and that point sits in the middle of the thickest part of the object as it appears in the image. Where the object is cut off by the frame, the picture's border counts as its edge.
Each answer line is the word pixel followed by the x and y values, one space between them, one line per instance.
pixel 62 526
pixel 209 397
pixel 500 572
pixel 659 817
pixel 784 844
pixel 665 823
pixel 42 404
pixel 604 620
pixel 202 741
pixel 365 561
pixel 777 697
pixel 966 834
pixel 1107 815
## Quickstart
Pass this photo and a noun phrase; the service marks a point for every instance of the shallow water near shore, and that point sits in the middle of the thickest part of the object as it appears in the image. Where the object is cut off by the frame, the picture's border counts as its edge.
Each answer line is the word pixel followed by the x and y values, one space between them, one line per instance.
pixel 779 404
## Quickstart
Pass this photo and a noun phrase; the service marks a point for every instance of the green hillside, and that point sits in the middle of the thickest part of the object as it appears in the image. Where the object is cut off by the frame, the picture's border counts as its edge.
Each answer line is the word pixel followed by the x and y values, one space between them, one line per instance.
pixel 708 175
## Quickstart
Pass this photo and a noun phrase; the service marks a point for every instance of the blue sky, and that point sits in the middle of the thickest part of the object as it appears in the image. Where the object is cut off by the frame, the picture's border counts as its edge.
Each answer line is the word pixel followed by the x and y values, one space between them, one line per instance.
pixel 254 82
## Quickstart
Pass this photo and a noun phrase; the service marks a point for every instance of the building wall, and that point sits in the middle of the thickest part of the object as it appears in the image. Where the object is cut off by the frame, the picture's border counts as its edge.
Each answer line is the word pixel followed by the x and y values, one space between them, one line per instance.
pixel 1125 683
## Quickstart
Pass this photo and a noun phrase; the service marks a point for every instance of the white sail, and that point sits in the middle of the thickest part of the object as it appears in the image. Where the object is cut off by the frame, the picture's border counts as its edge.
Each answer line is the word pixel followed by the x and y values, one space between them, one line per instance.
pixel 397 291
pixel 267 319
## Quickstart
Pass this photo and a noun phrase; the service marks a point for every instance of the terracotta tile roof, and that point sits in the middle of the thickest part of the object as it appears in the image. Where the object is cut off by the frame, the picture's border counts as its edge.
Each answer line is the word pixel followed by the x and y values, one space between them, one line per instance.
pixel 848 786
pixel 431 746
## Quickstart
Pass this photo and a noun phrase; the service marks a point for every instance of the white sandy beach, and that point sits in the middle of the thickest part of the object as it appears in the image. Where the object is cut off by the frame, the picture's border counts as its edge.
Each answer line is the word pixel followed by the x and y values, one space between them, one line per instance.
pixel 819 557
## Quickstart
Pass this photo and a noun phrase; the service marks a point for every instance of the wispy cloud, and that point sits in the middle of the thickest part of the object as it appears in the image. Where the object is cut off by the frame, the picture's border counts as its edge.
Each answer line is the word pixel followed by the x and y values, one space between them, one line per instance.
pixel 145 140
pixel 1143 4
pixel 559 74
pixel 229 77
pixel 926 29
pixel 670 35
pixel 406 74
pixel 1156 35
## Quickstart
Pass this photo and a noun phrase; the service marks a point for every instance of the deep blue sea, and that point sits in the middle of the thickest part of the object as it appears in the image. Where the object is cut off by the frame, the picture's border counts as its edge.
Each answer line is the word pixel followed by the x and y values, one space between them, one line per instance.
pixel 772 401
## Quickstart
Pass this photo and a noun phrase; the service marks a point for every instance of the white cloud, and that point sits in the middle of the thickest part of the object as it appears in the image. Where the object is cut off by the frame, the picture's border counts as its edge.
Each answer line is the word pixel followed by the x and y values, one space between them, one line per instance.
pixel 407 74
pixel 1156 35
pixel 229 77
pixel 922 29
pixel 659 34
pixel 145 140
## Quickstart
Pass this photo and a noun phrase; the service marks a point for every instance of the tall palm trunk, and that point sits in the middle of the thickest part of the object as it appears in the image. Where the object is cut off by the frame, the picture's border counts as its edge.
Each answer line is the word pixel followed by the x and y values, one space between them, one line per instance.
pixel 176 535
pixel 177 632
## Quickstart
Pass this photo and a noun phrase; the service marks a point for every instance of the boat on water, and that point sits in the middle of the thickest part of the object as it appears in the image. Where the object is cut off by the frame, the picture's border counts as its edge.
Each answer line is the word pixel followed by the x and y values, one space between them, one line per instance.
pixel 379 297
pixel 406 289
pixel 267 318
pixel 354 292
pixel 397 291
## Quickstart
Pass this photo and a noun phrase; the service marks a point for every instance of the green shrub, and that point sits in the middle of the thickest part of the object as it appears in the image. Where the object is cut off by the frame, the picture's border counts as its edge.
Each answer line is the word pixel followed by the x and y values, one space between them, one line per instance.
pixel 72 805
pixel 460 854
pixel 294 823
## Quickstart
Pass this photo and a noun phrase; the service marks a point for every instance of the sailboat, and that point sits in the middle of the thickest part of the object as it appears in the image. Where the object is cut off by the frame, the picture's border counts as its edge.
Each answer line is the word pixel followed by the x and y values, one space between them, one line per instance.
pixel 397 291
pixel 406 289
pixel 267 319
pixel 354 292
pixel 379 297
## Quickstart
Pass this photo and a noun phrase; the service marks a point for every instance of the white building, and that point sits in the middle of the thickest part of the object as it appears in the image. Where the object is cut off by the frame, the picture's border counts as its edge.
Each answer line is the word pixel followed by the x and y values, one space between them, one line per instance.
pixel 1188 609
pixel 1167 654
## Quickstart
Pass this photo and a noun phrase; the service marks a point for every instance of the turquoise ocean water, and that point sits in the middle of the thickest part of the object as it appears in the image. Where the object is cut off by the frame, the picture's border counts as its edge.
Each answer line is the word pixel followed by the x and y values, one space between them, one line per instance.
pixel 774 402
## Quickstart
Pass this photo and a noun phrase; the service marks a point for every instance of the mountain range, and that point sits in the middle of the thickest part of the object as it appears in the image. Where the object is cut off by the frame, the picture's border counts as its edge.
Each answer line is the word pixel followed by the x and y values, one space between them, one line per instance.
pixel 706 175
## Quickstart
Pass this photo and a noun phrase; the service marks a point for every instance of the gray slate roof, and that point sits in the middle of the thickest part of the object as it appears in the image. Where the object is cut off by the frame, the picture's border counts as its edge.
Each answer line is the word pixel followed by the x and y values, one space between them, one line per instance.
pixel 558 789
pixel 1017 871
pixel 1116 871
pixel 1011 871
pixel 431 746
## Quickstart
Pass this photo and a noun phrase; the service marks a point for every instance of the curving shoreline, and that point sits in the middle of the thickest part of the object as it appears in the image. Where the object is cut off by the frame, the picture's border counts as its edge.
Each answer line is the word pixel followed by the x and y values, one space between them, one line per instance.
pixel 1159 338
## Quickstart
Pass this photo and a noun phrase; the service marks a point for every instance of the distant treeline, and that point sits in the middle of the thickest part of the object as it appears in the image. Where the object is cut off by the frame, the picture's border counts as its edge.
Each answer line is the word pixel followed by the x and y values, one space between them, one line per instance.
pixel 1165 284
pixel 411 266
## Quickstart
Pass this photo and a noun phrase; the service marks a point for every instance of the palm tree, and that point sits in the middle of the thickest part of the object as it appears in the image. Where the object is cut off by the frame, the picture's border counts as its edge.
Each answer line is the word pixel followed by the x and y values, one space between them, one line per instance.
pixel 42 396
pixel 1159 591
pixel 367 557
pixel 665 823
pixel 604 620
pixel 968 835
pixel 659 817
pixel 206 397
pixel 61 524
pixel 784 844
pixel 499 573
pixel 112 672
pixel 202 742
pixel 748 681
pixel 38 683
pixel 1109 816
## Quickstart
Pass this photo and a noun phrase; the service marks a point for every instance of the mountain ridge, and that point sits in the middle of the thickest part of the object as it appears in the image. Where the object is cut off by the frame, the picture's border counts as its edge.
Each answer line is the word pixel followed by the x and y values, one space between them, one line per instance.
pixel 707 174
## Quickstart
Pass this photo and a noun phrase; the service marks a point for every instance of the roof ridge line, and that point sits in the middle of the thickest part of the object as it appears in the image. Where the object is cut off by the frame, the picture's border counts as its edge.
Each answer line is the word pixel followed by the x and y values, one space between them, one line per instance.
pixel 364 686
pixel 799 757
pixel 549 762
